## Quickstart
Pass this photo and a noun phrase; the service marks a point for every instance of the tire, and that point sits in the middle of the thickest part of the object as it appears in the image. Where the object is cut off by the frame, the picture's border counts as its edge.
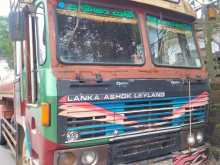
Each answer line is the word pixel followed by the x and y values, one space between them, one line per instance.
pixel 2 139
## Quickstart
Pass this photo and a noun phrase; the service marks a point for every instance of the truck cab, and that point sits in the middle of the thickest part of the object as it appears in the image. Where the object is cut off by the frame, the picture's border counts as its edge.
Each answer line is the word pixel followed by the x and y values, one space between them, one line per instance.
pixel 108 82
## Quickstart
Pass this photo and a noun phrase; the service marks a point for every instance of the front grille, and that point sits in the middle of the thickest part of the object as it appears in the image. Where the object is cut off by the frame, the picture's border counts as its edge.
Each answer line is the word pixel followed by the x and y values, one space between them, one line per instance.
pixel 143 148
pixel 113 118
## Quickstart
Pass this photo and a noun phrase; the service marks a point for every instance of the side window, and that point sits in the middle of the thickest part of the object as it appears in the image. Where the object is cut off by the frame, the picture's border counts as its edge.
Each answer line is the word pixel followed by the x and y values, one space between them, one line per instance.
pixel 41 38
pixel 33 58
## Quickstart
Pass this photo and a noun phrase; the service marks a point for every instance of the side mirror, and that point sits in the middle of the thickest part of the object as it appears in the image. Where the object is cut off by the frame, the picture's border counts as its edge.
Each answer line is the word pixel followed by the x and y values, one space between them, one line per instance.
pixel 16 25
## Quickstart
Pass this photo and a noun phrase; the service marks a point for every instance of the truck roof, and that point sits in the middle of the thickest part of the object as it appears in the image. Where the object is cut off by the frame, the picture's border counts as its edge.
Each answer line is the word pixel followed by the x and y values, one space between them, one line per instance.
pixel 181 7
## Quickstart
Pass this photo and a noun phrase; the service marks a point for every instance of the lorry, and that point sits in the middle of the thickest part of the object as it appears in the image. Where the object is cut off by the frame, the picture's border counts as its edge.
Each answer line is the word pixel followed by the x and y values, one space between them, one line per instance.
pixel 105 82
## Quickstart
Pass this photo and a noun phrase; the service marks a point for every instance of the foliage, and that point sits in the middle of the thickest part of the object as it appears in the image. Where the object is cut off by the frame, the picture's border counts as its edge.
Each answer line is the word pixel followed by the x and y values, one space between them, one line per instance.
pixel 6 47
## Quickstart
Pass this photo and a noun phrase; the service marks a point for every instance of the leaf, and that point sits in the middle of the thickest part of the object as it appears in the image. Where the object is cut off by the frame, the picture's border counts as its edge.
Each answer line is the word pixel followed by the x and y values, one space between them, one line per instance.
pixel 6 47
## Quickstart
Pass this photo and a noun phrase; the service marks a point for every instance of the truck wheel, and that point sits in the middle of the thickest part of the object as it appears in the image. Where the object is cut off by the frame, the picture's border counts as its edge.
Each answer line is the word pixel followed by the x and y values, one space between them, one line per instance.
pixel 2 139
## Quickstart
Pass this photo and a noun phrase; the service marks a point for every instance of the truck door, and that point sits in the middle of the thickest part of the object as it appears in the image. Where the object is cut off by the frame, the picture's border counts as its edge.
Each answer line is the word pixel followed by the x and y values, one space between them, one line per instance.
pixel 37 52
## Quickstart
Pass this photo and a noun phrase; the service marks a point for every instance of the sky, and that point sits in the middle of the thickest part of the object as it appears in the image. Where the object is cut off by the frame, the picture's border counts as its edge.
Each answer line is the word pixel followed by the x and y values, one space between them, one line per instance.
pixel 4 7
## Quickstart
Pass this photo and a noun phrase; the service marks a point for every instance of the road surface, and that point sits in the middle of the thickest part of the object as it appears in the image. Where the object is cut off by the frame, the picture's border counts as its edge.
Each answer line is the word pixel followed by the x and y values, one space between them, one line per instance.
pixel 6 158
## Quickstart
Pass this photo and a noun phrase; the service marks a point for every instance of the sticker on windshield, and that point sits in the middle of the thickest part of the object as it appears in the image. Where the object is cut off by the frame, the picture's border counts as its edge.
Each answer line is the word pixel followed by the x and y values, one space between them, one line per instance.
pixel 168 25
pixel 90 9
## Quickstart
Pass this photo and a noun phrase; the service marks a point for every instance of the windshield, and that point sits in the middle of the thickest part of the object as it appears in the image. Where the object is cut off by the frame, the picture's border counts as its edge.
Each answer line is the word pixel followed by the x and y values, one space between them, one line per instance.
pixel 172 43
pixel 95 35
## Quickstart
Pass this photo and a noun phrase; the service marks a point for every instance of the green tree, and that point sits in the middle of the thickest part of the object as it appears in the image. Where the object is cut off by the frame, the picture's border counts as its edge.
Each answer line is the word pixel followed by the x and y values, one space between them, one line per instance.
pixel 6 47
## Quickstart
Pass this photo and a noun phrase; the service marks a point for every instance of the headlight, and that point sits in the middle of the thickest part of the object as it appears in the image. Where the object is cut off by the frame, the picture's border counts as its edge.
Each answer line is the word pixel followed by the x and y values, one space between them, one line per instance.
pixel 66 158
pixel 89 158
pixel 191 140
pixel 199 137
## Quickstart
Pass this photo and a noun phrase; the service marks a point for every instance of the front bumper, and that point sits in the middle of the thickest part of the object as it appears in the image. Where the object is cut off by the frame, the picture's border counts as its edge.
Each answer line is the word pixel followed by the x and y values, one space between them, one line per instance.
pixel 194 156
pixel 197 156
